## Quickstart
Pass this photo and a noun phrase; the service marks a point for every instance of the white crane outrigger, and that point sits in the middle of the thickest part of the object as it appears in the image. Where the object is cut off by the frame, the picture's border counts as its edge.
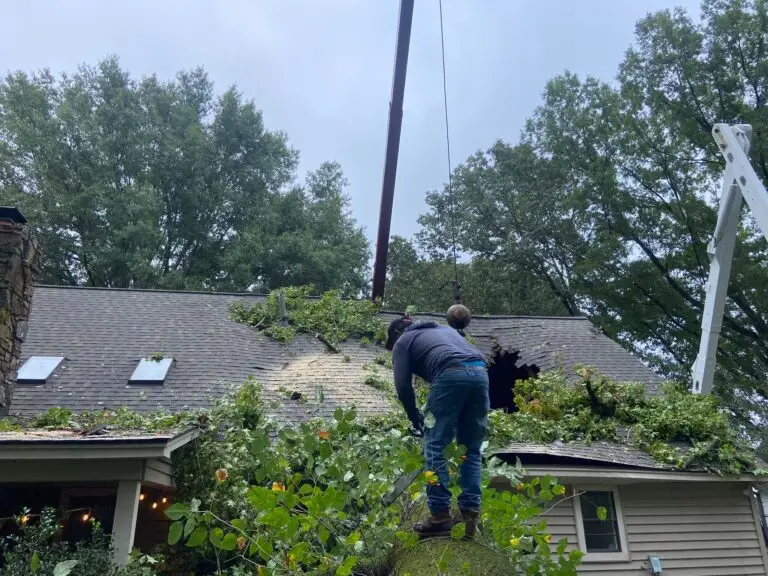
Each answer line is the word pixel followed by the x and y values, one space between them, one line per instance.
pixel 740 182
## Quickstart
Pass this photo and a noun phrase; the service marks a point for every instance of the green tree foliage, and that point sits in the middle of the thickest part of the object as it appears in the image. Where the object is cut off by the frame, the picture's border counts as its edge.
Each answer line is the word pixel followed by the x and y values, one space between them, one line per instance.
pixel 331 318
pixel 488 286
pixel 264 498
pixel 677 428
pixel 611 196
pixel 163 184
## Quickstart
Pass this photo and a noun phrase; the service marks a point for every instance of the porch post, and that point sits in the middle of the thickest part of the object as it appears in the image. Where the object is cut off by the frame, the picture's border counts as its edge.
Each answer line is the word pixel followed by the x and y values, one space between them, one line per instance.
pixel 124 526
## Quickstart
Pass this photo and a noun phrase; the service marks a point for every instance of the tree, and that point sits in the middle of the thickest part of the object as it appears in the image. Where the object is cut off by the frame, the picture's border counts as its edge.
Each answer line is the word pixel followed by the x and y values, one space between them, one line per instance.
pixel 308 239
pixel 162 184
pixel 611 196
pixel 487 286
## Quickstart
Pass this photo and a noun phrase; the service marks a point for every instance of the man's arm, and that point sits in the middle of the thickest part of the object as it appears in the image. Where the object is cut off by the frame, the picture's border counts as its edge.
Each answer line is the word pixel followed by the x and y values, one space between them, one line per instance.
pixel 404 382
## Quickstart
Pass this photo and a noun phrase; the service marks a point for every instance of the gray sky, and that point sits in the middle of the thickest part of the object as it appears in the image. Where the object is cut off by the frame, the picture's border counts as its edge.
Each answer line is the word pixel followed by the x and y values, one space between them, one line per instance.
pixel 321 70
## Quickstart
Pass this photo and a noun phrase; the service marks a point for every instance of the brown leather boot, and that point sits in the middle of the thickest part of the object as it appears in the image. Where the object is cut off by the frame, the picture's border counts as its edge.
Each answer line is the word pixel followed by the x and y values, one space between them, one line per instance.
pixel 439 524
pixel 470 523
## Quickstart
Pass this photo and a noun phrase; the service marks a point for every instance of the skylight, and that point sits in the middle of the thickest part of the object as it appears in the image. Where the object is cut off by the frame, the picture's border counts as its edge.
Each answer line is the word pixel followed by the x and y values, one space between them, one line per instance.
pixel 151 371
pixel 38 369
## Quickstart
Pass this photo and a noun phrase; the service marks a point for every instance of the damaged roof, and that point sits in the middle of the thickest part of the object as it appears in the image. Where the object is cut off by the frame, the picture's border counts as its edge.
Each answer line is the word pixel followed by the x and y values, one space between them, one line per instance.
pixel 103 333
pixel 596 452
pixel 70 436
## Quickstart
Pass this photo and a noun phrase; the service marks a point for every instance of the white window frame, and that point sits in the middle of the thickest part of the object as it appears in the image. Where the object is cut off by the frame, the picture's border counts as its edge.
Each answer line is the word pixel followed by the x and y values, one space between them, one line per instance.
pixel 622 556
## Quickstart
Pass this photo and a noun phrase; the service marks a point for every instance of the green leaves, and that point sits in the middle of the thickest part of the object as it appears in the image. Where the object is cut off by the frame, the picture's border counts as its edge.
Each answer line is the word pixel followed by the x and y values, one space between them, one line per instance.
pixel 311 498
pixel 263 546
pixel 347 566
pixel 332 319
pixel 550 410
pixel 261 498
pixel 189 526
pixel 65 568
pixel 197 538
pixel 175 167
pixel 175 532
pixel 34 564
pixel 177 511
pixel 458 531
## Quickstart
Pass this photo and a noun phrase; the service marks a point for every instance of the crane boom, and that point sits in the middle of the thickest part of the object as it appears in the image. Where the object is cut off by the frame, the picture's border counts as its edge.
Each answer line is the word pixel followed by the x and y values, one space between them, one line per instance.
pixel 740 183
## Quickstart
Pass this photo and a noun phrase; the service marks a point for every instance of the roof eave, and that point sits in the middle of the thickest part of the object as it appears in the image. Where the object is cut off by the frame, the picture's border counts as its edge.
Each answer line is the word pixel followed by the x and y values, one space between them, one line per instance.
pixel 602 474
pixel 94 448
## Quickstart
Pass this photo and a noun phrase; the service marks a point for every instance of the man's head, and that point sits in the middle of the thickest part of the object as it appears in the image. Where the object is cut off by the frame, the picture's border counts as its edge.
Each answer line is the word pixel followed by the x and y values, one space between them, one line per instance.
pixel 396 329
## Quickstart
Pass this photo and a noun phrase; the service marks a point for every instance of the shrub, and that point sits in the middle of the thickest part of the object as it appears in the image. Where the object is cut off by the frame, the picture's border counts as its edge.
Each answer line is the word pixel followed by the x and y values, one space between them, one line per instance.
pixel 35 549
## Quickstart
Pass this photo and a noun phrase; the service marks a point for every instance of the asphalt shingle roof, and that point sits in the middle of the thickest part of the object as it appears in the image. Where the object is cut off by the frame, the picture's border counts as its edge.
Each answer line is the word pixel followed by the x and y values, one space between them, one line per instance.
pixel 70 436
pixel 599 452
pixel 103 333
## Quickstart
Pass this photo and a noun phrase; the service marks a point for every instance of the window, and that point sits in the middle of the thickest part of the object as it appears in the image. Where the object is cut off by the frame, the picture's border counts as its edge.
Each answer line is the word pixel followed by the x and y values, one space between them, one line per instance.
pixel 38 369
pixel 151 371
pixel 600 524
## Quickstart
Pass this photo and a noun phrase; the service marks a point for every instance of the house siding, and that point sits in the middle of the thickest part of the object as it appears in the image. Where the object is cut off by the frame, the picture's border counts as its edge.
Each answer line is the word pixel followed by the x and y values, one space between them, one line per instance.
pixel 696 529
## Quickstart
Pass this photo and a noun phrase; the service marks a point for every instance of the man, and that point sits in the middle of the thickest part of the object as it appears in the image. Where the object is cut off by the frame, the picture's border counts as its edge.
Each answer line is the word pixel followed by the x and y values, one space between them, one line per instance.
pixel 459 403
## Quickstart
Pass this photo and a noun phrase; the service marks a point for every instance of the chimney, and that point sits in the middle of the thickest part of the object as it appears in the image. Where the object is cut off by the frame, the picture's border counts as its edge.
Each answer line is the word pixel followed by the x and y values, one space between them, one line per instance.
pixel 20 260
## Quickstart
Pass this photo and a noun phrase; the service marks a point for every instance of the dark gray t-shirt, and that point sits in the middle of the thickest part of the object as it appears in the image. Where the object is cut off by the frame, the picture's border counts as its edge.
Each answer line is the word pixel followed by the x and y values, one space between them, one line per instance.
pixel 427 349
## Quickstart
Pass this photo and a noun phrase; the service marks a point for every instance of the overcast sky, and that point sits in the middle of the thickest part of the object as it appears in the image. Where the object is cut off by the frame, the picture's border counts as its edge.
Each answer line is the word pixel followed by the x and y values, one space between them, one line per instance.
pixel 321 70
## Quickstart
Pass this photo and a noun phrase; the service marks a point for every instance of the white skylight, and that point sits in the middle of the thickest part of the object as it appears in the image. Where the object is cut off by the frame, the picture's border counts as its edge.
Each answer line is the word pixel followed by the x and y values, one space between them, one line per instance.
pixel 37 369
pixel 151 371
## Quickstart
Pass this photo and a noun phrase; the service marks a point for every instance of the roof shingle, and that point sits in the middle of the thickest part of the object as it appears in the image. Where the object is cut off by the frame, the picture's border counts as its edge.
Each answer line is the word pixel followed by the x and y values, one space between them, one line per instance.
pixel 103 333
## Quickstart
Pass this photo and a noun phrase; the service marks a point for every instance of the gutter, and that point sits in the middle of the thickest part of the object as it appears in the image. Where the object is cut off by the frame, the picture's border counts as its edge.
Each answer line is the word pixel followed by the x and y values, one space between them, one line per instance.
pixel 94 448
pixel 627 476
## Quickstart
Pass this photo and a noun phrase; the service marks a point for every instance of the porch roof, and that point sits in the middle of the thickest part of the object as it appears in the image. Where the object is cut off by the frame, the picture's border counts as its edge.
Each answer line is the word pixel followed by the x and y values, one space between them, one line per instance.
pixel 67 444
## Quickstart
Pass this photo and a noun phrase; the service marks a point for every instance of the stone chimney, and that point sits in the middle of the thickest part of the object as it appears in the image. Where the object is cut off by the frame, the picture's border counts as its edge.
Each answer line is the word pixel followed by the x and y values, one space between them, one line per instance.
pixel 20 260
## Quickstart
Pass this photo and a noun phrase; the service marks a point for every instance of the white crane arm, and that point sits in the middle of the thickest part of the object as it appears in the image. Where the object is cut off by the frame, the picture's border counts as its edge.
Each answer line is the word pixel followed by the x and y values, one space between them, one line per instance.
pixel 740 182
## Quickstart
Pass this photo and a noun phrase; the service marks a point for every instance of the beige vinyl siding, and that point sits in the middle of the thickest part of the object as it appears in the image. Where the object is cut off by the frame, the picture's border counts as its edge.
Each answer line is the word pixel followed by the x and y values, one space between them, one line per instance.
pixel 697 529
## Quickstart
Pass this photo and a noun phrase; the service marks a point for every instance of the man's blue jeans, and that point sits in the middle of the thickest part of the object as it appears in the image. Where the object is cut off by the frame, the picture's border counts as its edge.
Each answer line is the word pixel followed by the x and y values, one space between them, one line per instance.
pixel 458 399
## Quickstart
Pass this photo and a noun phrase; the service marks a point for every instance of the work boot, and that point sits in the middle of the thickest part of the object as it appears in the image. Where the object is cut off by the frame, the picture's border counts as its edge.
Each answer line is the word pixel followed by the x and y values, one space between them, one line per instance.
pixel 439 524
pixel 470 523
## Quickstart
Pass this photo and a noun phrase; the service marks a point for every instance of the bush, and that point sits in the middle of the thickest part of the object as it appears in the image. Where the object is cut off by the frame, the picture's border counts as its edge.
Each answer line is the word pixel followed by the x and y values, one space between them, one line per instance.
pixel 35 549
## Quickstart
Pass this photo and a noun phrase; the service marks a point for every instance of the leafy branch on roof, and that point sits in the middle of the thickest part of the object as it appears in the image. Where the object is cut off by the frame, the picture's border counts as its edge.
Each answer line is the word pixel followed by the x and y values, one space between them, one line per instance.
pixel 330 318
pixel 102 421
pixel 680 429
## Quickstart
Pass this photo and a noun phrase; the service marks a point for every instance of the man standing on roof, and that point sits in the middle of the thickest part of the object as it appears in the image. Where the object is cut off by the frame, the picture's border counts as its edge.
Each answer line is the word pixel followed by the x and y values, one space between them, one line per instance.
pixel 458 400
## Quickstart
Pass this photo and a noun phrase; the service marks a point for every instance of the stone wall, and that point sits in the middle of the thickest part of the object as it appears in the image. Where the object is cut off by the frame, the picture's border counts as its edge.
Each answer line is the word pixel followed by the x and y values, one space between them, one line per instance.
pixel 20 259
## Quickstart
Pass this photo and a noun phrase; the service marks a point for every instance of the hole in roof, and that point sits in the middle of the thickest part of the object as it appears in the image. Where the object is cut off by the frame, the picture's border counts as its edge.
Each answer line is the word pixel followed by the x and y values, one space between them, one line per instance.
pixel 151 371
pixel 38 369
pixel 503 373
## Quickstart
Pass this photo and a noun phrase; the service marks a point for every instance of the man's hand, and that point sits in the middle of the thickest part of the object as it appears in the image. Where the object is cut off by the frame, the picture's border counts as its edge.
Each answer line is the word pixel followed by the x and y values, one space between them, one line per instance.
pixel 417 424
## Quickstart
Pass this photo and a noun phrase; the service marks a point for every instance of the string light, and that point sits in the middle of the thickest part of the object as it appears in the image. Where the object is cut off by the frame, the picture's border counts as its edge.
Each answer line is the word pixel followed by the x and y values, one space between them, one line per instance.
pixel 25 518
pixel 141 497
pixel 86 517
pixel 154 505
pixel 165 500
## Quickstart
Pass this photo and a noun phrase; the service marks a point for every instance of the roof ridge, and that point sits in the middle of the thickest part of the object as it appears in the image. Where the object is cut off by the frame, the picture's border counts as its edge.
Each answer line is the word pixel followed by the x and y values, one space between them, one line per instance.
pixel 150 290
pixel 496 316
pixel 262 295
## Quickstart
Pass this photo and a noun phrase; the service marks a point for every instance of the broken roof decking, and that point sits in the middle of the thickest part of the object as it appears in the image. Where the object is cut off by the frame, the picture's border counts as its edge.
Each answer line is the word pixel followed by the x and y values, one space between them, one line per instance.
pixel 103 333
pixel 557 342
pixel 597 452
